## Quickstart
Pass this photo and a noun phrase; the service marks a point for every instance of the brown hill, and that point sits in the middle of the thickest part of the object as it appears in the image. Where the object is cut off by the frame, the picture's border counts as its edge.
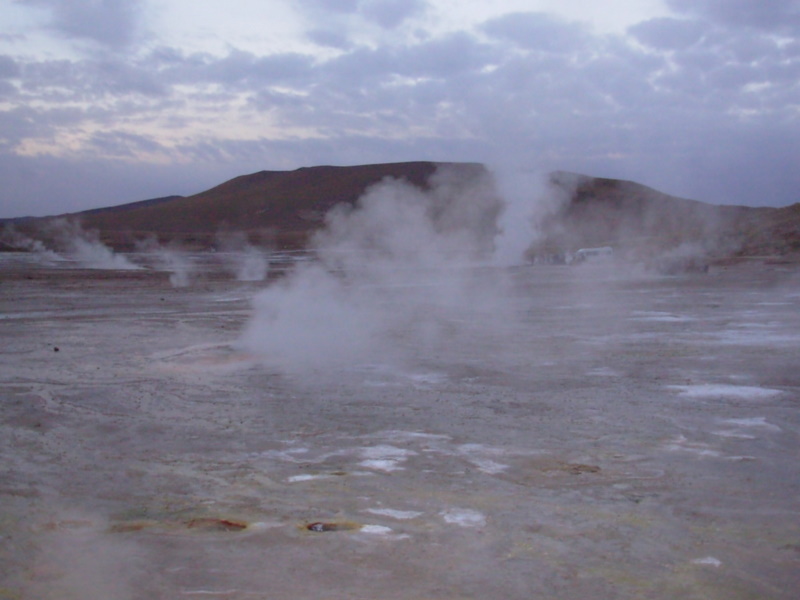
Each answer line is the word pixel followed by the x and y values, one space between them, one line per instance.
pixel 282 208
pixel 646 223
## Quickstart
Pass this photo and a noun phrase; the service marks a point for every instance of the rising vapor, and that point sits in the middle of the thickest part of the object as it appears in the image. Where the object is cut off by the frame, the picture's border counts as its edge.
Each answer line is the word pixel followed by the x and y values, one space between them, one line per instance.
pixel 400 276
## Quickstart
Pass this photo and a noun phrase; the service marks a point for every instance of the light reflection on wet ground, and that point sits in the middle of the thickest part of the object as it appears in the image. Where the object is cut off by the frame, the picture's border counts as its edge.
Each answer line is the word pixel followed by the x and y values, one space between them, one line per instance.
pixel 637 437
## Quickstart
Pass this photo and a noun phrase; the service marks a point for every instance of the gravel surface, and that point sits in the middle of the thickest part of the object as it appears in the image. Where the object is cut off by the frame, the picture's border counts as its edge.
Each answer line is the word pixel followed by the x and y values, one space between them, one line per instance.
pixel 627 436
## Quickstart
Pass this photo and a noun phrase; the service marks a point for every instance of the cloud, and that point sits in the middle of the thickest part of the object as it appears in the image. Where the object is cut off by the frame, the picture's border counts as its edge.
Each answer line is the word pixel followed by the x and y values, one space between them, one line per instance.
pixel 248 68
pixel 89 80
pixel 667 33
pixel 9 68
pixel 330 38
pixel 650 104
pixel 390 13
pixel 780 16
pixel 111 23
pixel 538 31
pixel 333 6
pixel 15 125
pixel 123 145
pixel 344 25
pixel 445 58
pixel 385 13
pixel 721 66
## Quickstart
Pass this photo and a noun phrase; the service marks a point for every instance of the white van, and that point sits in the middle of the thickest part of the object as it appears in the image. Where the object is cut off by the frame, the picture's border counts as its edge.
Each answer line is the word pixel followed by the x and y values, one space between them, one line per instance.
pixel 592 254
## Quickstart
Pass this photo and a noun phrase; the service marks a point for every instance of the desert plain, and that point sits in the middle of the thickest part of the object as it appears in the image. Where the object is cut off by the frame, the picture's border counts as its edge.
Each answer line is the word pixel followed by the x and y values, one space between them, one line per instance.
pixel 628 435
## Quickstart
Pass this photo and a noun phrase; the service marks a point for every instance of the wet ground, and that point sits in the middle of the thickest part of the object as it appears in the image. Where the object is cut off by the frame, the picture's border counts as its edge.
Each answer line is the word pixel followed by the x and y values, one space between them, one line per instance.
pixel 632 437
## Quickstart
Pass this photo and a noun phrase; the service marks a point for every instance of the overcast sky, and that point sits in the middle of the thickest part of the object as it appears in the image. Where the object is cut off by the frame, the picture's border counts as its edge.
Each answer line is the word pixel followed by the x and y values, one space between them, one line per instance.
pixel 110 101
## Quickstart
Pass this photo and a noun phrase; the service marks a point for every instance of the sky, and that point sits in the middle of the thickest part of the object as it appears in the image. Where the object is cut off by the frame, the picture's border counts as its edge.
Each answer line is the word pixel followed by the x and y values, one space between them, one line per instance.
pixel 104 102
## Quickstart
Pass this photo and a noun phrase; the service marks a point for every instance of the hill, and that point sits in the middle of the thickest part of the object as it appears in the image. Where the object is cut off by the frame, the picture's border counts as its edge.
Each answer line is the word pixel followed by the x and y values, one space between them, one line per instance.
pixel 647 223
pixel 276 207
pixel 282 208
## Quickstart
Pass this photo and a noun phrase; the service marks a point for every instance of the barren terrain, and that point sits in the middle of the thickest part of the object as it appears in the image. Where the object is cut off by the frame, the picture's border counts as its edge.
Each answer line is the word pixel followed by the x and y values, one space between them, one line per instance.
pixel 283 209
pixel 631 436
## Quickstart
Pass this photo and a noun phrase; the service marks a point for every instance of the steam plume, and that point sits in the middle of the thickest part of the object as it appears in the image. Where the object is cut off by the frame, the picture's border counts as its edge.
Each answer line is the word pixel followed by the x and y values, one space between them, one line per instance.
pixel 85 246
pixel 247 262
pixel 170 259
pixel 399 276
pixel 20 241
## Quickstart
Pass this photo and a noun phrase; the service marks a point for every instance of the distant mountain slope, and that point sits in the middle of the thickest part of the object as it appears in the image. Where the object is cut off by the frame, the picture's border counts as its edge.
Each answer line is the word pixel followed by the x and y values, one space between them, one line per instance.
pixel 127 207
pixel 638 219
pixel 282 208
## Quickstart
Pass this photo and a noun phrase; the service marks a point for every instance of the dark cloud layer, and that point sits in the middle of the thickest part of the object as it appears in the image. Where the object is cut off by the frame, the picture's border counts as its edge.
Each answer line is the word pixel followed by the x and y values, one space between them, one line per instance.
pixel 111 23
pixel 781 16
pixel 702 104
pixel 666 33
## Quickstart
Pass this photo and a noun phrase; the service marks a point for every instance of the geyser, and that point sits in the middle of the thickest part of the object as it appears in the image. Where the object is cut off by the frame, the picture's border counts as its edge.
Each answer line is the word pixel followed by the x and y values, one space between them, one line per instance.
pixel 247 262
pixel 399 276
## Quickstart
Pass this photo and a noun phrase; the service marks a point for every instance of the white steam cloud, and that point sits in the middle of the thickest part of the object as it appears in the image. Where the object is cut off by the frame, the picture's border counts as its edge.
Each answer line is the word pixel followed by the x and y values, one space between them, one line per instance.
pixel 84 247
pixel 88 250
pixel 528 200
pixel 171 259
pixel 180 267
pixel 400 277
pixel 247 262
pixel 16 239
